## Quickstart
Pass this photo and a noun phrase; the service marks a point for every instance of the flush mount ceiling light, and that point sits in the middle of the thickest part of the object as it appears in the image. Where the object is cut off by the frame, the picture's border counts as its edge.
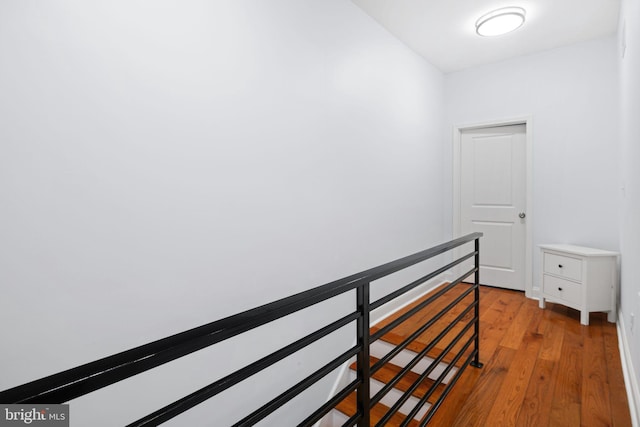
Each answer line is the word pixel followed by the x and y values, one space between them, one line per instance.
pixel 500 21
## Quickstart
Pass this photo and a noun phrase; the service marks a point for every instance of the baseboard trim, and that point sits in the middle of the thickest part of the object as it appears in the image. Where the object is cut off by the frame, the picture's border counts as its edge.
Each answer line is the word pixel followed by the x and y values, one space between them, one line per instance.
pixel 628 371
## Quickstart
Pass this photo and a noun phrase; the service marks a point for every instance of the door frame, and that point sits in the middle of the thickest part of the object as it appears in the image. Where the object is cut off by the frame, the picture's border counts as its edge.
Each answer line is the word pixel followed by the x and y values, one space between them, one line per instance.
pixel 530 292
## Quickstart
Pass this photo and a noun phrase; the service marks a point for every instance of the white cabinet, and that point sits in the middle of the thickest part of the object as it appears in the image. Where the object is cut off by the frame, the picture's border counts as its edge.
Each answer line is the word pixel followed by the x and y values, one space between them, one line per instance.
pixel 580 278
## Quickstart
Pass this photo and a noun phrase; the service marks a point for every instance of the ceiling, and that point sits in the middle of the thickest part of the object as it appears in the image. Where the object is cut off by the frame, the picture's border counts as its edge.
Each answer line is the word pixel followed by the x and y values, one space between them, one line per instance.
pixel 443 31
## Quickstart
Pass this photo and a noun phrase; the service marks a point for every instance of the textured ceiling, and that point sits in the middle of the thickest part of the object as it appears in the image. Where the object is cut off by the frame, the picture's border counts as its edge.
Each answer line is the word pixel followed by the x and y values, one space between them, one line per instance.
pixel 443 31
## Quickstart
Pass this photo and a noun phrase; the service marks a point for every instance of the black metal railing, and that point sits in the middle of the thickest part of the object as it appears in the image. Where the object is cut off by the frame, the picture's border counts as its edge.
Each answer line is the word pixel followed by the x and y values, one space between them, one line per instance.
pixel 73 383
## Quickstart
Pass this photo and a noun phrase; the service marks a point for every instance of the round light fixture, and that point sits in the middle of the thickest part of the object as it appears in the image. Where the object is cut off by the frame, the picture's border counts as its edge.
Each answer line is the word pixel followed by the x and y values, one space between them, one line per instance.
pixel 500 21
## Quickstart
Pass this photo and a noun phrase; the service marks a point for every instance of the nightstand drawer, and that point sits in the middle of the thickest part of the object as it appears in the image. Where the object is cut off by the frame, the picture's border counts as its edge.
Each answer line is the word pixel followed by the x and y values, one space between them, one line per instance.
pixel 563 289
pixel 563 266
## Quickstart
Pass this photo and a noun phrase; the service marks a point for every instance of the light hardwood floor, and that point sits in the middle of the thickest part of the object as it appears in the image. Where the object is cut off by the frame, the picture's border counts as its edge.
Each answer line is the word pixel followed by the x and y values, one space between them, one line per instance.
pixel 541 368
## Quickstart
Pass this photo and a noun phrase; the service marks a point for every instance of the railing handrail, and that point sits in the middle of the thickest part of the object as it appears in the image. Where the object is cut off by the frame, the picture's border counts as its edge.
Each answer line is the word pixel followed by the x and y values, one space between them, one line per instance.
pixel 81 380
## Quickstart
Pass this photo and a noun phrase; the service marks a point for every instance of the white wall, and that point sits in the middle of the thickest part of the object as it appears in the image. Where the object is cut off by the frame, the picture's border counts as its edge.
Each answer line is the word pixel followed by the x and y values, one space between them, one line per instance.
pixel 166 164
pixel 629 201
pixel 572 95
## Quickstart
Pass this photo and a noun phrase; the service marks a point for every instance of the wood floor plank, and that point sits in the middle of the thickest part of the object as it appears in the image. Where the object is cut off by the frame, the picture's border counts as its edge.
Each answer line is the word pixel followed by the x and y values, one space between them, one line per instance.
pixel 595 397
pixel 455 400
pixel 565 407
pixel 539 395
pixel 495 321
pixel 553 335
pixel 474 411
pixel 618 398
pixel 519 325
pixel 508 401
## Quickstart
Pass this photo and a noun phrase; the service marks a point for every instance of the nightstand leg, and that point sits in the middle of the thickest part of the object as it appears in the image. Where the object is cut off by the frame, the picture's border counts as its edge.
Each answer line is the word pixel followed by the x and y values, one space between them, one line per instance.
pixel 584 317
pixel 541 302
pixel 611 316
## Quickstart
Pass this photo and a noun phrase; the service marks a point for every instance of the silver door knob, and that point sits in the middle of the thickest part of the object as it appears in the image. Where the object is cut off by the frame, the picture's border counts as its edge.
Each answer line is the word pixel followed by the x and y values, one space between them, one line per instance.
pixel 522 214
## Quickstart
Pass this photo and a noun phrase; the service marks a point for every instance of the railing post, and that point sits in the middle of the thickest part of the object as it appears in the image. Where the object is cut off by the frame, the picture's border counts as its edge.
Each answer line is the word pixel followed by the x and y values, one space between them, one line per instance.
pixel 476 284
pixel 363 394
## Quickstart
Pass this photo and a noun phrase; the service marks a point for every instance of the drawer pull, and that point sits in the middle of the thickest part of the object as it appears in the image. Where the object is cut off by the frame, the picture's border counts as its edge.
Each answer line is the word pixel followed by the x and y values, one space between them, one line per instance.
pixel 559 289
pixel 559 265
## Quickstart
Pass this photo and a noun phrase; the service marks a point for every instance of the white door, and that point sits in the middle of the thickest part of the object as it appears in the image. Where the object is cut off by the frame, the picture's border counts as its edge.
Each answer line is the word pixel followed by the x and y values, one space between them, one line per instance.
pixel 493 200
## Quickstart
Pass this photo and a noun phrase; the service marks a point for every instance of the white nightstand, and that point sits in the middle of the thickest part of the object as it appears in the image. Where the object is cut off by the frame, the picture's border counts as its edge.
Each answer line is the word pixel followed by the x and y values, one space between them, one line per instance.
pixel 580 278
